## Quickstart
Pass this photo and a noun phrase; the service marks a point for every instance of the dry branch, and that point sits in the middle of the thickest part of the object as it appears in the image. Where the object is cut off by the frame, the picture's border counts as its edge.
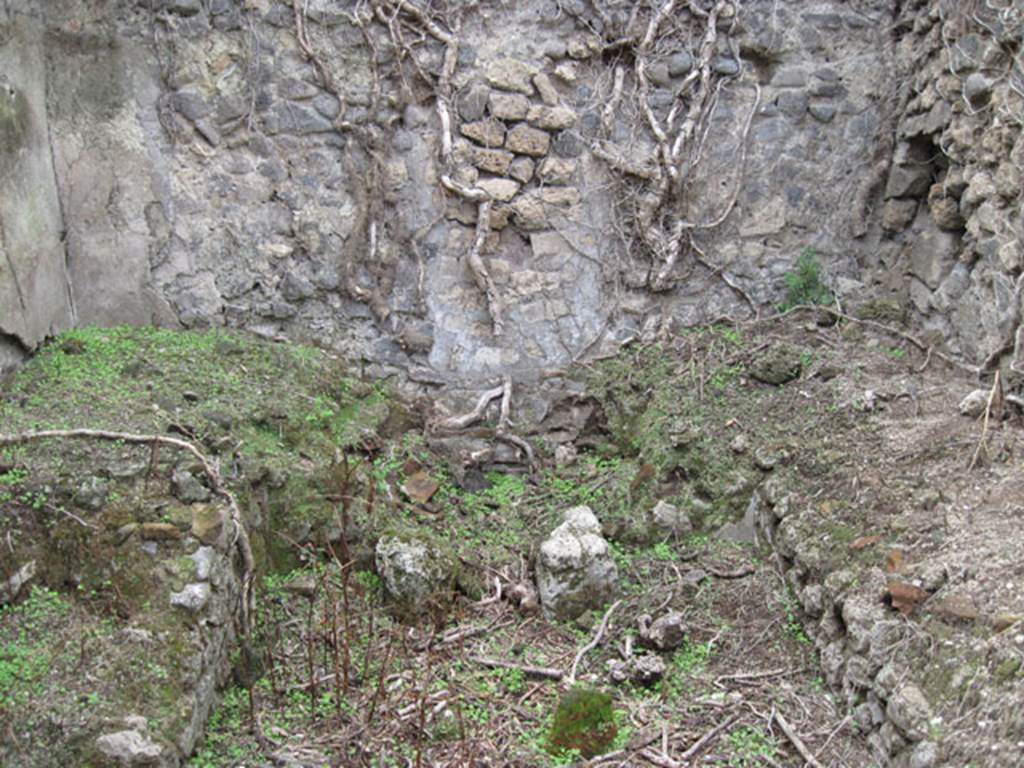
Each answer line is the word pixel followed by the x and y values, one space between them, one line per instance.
pixel 548 673
pixel 797 742
pixel 571 678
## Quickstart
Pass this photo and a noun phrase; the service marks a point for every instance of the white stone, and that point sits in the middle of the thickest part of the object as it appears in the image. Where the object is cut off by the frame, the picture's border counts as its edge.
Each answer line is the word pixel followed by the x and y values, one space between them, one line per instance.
pixel 129 748
pixel 575 570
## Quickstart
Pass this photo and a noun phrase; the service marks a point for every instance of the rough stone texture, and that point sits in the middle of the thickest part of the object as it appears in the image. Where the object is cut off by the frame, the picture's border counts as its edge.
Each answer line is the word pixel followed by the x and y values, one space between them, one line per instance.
pixel 417 572
pixel 666 633
pixel 509 106
pixel 575 570
pixel 130 748
pixel 668 519
pixel 229 201
pixel 510 74
pixel 910 712
pixel 34 286
pixel 492 160
pixel 528 141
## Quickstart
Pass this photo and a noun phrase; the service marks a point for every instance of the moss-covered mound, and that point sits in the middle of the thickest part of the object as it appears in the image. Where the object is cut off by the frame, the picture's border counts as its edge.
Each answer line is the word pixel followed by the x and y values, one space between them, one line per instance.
pixel 125 623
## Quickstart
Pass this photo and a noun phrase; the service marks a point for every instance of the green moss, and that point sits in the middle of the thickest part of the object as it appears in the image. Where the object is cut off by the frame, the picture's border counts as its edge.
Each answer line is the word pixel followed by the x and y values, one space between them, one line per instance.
pixel 584 723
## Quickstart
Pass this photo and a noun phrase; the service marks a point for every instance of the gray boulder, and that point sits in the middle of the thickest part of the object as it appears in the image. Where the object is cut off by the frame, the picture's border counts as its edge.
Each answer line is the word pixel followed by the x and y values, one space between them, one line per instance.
pixel 417 570
pixel 669 520
pixel 575 570
pixel 130 748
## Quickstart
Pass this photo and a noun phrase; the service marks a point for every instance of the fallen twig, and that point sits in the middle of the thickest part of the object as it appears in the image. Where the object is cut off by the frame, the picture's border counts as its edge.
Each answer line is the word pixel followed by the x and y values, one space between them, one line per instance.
pixel 548 673
pixel 994 400
pixel 708 737
pixel 796 741
pixel 571 678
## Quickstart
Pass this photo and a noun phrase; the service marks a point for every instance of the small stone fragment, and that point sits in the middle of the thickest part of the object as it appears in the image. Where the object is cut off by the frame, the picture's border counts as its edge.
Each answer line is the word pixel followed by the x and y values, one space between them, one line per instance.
pixel 583 47
pixel 159 532
pixel 905 597
pixel 420 487
pixel 644 671
pixel 547 91
pixel 665 633
pixel 974 404
pixel 567 72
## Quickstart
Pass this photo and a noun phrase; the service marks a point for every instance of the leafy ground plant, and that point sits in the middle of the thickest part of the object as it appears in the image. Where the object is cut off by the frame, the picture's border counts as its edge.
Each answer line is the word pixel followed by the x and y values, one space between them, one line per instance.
pixel 803 282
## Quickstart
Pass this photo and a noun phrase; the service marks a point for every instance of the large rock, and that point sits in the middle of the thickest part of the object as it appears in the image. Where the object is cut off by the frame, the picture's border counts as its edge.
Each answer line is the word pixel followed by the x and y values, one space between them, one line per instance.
pixel 910 712
pixel 575 570
pixel 130 748
pixel 418 571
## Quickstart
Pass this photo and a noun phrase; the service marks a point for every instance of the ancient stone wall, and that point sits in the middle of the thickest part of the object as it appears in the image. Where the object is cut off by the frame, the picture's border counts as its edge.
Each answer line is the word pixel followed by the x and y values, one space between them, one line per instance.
pixel 952 213
pixel 205 162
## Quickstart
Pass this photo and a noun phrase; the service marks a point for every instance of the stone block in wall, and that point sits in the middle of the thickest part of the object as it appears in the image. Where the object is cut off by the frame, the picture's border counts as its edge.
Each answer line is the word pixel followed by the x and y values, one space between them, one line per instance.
pixel 908 181
pixel 897 214
pixel 933 255
pixel 551 118
pixel 501 190
pixel 472 102
pixel 910 712
pixel 557 170
pixel 547 91
pixel 508 106
pixel 945 211
pixel 525 140
pixel 521 169
pixel 510 75
pixel 679 64
pixel 928 124
pixel 766 219
pixel 490 133
pixel 495 161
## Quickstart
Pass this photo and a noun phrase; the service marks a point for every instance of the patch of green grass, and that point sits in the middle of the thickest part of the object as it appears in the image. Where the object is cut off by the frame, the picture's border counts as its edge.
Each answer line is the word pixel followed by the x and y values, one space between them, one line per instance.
pixel 689 660
pixel 25 648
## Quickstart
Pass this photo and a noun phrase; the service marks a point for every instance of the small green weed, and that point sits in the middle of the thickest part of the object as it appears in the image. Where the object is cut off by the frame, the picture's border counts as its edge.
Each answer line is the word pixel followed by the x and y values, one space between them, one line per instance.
pixel 803 282
pixel 750 746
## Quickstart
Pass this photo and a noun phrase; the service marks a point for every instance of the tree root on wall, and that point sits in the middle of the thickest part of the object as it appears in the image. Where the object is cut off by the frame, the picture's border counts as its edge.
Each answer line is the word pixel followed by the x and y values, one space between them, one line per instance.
pixel 503 431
